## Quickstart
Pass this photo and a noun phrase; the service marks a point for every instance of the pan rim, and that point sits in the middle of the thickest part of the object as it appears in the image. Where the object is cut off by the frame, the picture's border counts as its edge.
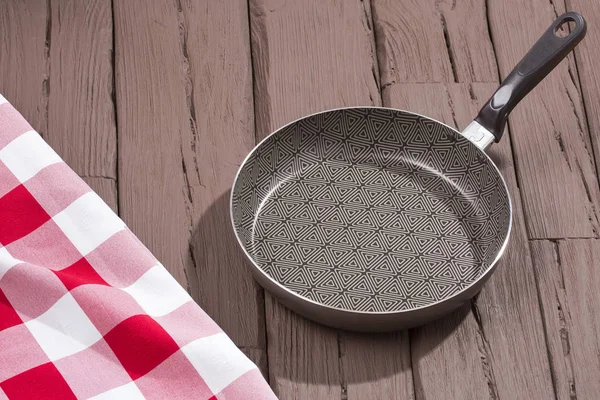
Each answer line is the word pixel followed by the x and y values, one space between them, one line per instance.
pixel 480 278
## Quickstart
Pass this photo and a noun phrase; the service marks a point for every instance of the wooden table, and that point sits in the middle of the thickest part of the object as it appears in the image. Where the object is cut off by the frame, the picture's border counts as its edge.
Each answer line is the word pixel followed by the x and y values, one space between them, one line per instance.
pixel 156 103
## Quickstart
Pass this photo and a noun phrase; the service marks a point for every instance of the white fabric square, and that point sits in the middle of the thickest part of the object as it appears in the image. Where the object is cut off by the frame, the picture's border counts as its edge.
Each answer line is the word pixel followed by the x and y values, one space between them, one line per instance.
pixel 6 261
pixel 218 361
pixel 2 101
pixel 129 392
pixel 64 329
pixel 157 292
pixel 88 222
pixel 27 154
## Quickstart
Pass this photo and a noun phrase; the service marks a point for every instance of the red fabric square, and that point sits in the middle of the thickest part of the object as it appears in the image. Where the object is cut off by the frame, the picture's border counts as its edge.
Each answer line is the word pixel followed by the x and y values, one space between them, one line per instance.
pixel 8 315
pixel 42 382
pixel 80 273
pixel 20 214
pixel 140 344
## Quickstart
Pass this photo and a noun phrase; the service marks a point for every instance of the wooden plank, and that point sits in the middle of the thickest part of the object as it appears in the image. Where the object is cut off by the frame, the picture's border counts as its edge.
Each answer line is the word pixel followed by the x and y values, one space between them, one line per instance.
pixel 185 123
pixel 303 356
pixel 433 41
pixel 24 28
pixel 588 58
pixel 569 285
pixel 471 50
pixel 400 26
pixel 508 309
pixel 310 56
pixel 215 39
pixel 81 116
pixel 551 142
pixel 376 366
pixel 153 126
pixel 443 350
pixel 300 50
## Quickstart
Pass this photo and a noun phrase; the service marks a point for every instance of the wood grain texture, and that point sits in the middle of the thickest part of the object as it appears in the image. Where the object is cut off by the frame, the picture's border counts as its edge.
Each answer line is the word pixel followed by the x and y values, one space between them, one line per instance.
pixel 376 366
pixel 24 54
pixel 303 356
pixel 81 117
pixel 185 124
pixel 153 124
pixel 569 285
pixel 433 41
pixel 588 59
pixel 399 27
pixel 551 143
pixel 470 48
pixel 311 56
pixel 215 43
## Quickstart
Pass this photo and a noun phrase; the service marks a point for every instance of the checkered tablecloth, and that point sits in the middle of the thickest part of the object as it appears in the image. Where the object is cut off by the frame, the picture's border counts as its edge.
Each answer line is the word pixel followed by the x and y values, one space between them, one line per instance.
pixel 86 311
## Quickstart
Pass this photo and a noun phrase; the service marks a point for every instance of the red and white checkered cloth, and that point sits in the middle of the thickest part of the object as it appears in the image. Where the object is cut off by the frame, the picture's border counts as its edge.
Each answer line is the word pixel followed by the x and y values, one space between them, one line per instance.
pixel 86 311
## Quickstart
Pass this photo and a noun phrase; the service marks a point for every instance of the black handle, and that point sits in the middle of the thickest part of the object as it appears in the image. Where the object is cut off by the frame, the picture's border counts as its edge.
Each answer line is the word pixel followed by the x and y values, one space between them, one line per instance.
pixel 545 54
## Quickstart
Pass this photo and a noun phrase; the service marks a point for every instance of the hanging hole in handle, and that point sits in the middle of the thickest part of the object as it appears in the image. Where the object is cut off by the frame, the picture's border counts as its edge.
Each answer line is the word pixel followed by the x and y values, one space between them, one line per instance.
pixel 565 27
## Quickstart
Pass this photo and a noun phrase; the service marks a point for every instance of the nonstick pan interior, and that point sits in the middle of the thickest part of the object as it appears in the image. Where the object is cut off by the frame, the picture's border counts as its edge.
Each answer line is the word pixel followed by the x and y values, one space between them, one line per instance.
pixel 370 209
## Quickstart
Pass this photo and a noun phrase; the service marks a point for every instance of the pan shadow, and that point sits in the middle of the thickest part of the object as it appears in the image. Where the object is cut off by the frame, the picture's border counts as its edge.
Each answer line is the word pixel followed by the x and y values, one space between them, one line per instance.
pixel 379 355
pixel 226 290
pixel 497 157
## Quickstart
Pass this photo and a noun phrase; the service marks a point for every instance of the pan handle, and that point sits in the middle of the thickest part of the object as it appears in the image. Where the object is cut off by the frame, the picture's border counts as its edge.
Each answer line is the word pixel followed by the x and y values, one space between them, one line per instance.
pixel 545 54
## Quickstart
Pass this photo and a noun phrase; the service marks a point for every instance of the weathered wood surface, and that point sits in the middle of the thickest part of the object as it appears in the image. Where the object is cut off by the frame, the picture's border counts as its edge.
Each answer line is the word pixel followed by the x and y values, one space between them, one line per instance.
pixel 432 41
pixel 155 104
pixel 81 114
pixel 24 59
pixel 185 124
pixel 153 122
pixel 376 366
pixel 215 40
pixel 588 59
pixel 569 285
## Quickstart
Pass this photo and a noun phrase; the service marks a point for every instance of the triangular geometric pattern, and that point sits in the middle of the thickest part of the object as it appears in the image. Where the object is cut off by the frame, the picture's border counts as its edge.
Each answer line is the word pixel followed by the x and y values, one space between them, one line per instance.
pixel 370 209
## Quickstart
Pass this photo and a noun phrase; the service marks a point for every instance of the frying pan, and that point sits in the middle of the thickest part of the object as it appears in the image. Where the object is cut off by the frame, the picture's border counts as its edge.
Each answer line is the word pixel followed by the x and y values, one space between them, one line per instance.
pixel 376 219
